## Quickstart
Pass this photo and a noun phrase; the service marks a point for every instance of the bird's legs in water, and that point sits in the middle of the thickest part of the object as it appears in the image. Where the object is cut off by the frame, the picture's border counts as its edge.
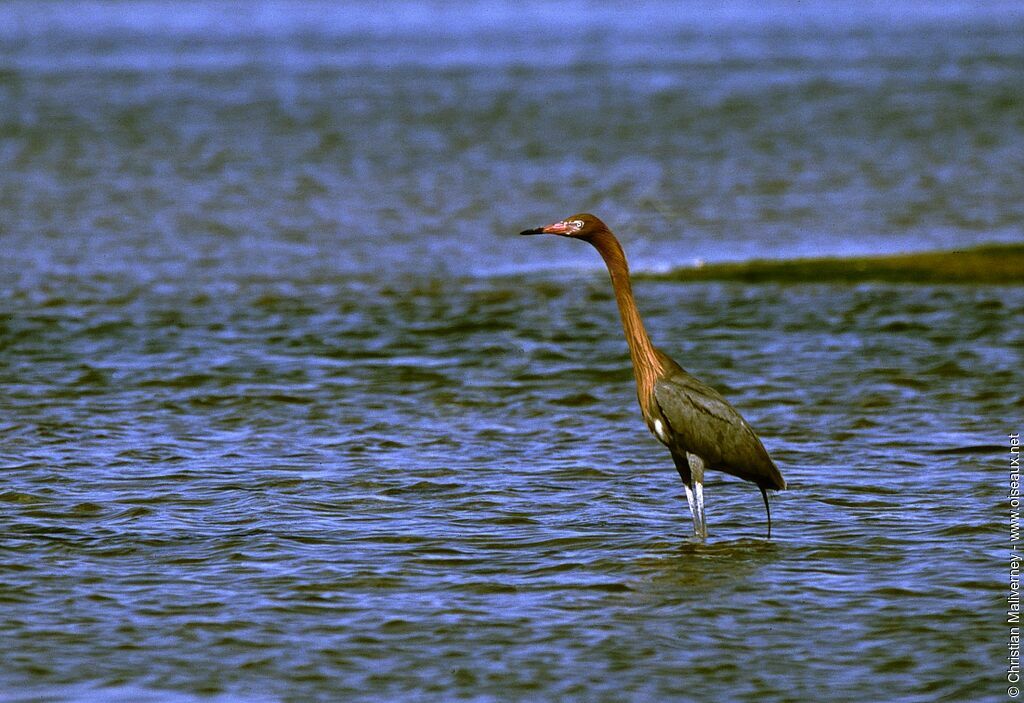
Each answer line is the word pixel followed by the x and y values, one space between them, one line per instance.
pixel 691 470
pixel 695 495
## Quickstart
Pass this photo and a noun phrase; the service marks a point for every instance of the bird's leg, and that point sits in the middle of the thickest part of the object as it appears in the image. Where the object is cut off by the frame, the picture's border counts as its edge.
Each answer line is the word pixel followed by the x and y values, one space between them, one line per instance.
pixel 691 470
pixel 693 509
pixel 695 495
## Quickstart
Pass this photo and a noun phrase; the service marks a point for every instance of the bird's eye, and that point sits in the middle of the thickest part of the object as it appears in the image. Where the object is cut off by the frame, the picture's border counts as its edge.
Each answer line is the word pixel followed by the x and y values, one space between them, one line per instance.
pixel 578 224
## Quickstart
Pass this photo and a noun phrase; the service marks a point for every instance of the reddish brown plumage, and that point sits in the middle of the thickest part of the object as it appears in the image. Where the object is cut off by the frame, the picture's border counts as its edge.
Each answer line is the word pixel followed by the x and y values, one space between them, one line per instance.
pixel 699 427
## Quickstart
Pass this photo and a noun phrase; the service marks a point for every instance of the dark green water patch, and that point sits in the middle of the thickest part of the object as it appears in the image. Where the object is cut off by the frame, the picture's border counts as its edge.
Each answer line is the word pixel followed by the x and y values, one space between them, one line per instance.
pixel 999 264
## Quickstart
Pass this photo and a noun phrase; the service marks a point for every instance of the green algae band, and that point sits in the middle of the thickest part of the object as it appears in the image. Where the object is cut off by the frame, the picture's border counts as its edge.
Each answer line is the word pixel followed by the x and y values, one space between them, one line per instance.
pixel 1001 264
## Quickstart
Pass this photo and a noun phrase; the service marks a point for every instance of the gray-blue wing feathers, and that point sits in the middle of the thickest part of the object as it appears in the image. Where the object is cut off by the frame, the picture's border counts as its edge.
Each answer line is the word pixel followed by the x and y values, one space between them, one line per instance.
pixel 704 423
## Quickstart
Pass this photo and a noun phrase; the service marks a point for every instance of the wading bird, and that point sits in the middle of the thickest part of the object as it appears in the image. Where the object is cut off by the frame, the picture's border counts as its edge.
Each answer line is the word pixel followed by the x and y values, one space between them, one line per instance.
pixel 699 427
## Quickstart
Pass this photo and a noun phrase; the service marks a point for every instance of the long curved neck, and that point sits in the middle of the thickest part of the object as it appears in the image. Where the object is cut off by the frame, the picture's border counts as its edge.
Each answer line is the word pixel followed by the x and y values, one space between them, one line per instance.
pixel 646 365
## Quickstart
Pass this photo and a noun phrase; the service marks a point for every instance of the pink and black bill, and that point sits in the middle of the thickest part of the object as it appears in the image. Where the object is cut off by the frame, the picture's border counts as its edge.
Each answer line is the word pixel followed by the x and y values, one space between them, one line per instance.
pixel 563 227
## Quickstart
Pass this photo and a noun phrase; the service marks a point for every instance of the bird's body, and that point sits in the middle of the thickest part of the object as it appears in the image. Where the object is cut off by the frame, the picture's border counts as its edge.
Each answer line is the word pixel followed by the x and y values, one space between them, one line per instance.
pixel 698 426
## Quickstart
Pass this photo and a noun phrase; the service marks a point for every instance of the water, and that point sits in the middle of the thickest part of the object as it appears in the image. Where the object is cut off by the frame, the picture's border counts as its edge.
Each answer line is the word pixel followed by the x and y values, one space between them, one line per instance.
pixel 291 414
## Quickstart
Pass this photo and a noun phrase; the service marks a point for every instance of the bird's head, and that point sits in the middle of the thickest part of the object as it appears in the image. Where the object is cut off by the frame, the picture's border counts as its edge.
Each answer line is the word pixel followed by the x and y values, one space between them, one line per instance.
pixel 581 226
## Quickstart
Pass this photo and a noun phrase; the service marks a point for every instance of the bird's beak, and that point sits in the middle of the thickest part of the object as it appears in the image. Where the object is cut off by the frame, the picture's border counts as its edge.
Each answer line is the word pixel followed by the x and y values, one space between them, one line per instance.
pixel 556 228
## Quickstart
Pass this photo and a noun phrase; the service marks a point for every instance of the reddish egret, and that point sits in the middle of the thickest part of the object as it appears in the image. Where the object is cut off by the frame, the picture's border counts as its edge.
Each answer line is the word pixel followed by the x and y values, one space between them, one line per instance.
pixel 699 427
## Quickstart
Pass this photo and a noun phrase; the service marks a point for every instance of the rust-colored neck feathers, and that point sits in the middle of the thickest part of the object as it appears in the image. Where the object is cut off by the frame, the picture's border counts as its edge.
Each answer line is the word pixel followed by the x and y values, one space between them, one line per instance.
pixel 646 365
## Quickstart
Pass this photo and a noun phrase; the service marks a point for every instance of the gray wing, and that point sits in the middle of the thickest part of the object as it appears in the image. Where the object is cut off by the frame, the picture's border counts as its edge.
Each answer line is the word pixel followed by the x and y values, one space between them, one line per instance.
pixel 703 422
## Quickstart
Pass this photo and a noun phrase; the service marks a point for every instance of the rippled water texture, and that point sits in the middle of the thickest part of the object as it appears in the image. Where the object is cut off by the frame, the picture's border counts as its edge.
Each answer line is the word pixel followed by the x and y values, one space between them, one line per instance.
pixel 289 413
